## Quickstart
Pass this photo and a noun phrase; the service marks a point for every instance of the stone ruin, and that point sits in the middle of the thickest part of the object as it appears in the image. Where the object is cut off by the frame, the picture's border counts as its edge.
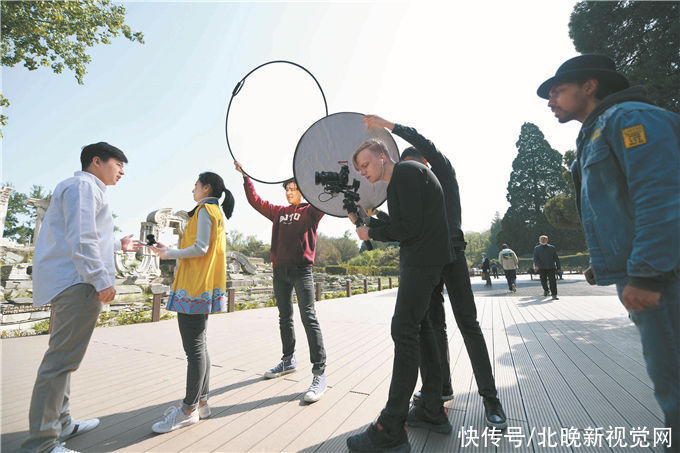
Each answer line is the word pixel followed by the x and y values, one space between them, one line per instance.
pixel 136 272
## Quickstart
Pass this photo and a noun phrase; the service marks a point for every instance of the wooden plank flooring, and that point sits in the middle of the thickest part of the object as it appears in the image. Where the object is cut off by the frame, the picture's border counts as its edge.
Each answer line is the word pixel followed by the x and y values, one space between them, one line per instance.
pixel 572 363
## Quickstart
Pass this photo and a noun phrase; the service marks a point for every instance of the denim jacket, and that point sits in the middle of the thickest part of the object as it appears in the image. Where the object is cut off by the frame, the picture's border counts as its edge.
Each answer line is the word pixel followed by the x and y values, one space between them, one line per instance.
pixel 627 179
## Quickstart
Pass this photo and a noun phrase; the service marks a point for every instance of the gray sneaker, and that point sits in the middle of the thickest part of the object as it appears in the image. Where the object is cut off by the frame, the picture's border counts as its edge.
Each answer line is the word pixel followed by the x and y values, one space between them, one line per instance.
pixel 317 388
pixel 284 367
pixel 204 411
pixel 175 418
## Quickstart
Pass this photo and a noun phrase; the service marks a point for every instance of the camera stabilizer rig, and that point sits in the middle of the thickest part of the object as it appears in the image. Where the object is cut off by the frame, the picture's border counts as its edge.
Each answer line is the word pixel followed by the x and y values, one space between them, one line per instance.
pixel 337 182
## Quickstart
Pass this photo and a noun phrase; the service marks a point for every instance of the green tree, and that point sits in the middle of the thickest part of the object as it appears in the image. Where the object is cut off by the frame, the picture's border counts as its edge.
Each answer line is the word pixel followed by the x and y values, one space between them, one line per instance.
pixel 57 34
pixel 536 177
pixel 20 221
pixel 560 210
pixel 477 243
pixel 642 37
pixel 496 225
pixel 249 246
pixel 326 252
pixel 347 246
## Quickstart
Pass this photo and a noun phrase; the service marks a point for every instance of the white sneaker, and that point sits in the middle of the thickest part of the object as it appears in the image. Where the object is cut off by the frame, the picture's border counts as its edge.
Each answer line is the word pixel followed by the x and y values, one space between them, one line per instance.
pixel 75 428
pixel 61 448
pixel 175 418
pixel 204 411
pixel 317 388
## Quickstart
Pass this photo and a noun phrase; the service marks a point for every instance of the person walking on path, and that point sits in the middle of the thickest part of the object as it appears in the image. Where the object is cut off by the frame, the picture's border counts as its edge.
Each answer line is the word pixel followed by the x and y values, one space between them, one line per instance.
pixel 546 263
pixel 198 289
pixel 293 248
pixel 494 268
pixel 508 260
pixel 74 271
pixel 627 185
pixel 455 275
pixel 486 270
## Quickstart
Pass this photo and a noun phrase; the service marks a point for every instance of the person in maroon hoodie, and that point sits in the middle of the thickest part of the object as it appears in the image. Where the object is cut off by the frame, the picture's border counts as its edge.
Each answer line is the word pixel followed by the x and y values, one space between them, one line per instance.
pixel 292 255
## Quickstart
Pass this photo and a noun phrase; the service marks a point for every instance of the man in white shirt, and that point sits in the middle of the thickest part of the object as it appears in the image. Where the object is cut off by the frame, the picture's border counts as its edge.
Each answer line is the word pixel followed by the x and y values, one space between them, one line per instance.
pixel 508 260
pixel 73 269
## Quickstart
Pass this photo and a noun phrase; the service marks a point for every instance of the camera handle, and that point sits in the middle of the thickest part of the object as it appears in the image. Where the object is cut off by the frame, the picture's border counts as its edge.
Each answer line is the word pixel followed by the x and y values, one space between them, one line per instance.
pixel 360 222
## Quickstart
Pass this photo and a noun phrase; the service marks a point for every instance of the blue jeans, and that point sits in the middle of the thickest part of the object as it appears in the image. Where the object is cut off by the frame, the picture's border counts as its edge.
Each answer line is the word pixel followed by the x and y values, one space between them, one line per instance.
pixel 287 278
pixel 659 329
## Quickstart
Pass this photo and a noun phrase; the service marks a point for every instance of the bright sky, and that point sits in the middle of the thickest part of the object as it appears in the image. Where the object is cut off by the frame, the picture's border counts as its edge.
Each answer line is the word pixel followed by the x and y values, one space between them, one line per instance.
pixel 463 73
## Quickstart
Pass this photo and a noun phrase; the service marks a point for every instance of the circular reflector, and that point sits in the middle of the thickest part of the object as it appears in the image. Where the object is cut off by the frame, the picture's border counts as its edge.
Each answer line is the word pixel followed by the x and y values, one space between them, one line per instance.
pixel 270 108
pixel 326 146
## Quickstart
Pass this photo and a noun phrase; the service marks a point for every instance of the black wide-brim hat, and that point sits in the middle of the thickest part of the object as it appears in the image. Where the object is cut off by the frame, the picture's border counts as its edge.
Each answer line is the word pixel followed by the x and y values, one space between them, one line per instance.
pixel 600 67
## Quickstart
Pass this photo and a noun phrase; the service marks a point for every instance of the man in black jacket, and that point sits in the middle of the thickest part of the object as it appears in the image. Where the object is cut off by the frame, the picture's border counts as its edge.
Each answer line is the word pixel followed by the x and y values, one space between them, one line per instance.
pixel 455 275
pixel 546 262
pixel 417 220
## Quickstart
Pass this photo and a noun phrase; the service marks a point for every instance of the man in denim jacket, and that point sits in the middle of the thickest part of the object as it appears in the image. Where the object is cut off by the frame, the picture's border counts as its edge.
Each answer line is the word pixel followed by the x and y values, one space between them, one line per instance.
pixel 627 180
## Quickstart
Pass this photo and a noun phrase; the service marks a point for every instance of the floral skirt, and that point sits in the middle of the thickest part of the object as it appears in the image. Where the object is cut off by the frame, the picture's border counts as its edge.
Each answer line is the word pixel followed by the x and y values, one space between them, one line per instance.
pixel 181 302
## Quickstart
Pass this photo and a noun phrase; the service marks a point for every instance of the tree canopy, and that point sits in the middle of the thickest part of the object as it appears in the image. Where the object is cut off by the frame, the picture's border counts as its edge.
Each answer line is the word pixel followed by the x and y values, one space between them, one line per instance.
pixel 537 176
pixel 560 210
pixel 57 34
pixel 331 250
pixel 643 39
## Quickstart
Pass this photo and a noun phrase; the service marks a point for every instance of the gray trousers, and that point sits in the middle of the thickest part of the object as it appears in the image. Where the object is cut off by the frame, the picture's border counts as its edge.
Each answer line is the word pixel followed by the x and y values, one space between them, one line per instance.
pixel 75 312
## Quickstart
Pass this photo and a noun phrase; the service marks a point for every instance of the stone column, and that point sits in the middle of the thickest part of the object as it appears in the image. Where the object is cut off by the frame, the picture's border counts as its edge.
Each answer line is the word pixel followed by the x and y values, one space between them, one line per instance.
pixel 4 201
pixel 40 206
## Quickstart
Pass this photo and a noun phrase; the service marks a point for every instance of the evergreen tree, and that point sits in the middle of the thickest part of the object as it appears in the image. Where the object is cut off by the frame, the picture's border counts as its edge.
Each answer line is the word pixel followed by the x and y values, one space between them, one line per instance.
pixel 496 226
pixel 561 209
pixel 536 177
pixel 643 39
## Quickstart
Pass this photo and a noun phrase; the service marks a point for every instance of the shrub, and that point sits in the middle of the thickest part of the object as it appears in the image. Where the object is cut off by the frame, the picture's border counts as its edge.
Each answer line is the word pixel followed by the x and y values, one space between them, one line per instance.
pixel 336 270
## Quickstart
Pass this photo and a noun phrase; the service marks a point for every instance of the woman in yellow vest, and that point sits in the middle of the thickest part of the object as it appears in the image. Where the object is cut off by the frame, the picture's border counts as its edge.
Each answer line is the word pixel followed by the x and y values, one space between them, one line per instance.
pixel 199 288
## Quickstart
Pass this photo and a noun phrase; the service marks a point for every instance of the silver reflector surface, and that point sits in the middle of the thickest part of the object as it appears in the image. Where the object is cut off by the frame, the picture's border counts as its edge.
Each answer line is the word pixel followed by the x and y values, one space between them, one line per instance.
pixel 330 140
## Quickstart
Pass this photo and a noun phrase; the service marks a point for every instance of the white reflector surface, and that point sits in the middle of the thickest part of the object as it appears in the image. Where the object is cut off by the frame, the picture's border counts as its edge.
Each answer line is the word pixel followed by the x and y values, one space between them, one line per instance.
pixel 275 105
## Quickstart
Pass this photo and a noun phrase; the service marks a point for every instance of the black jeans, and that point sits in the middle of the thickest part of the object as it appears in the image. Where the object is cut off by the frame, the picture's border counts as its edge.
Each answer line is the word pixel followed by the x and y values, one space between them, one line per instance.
pixel 192 329
pixel 299 277
pixel 457 280
pixel 412 333
pixel 511 277
pixel 548 274
pixel 437 319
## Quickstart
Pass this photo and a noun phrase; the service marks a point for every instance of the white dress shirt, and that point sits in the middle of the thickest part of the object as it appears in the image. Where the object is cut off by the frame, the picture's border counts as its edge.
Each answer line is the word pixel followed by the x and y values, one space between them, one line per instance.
pixel 75 244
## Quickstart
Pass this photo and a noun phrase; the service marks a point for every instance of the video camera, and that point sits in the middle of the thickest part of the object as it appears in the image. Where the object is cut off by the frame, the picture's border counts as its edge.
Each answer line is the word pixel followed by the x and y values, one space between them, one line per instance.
pixel 338 182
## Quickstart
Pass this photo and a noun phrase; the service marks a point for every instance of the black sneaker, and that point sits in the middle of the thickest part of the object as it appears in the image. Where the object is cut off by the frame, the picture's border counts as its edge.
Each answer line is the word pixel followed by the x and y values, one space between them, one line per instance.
pixel 546 293
pixel 418 418
pixel 555 297
pixel 376 439
pixel 495 417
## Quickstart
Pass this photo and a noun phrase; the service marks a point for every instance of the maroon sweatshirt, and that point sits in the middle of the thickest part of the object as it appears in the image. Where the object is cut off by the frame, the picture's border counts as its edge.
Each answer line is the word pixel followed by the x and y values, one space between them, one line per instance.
pixel 293 229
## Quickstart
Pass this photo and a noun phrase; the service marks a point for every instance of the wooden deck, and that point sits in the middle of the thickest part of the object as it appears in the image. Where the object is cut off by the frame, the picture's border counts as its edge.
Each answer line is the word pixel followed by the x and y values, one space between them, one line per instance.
pixel 575 362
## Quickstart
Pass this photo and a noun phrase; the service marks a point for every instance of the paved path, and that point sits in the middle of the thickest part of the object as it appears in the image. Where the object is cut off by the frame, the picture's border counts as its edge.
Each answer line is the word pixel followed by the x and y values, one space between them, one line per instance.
pixel 572 363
